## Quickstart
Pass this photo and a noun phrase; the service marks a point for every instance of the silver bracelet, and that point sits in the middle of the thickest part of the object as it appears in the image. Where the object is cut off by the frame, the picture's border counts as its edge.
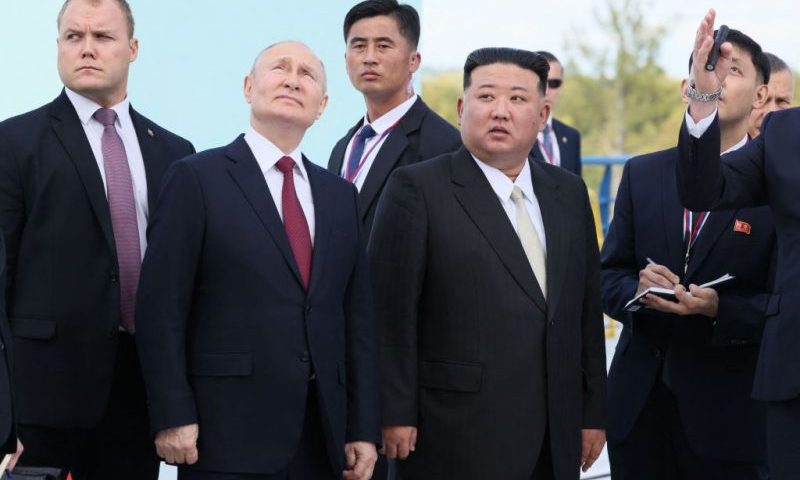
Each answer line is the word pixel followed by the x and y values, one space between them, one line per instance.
pixel 695 94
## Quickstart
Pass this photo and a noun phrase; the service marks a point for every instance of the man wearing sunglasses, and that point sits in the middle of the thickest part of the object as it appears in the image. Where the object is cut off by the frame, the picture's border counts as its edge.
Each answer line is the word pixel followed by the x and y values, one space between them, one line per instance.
pixel 558 143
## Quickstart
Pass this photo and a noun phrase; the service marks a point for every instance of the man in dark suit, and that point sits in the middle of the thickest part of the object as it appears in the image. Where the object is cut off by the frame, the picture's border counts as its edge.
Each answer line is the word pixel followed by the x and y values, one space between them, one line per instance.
pixel 780 93
pixel 255 313
pixel 679 384
pixel 557 143
pixel 9 444
pixel 381 39
pixel 486 278
pixel 764 172
pixel 77 179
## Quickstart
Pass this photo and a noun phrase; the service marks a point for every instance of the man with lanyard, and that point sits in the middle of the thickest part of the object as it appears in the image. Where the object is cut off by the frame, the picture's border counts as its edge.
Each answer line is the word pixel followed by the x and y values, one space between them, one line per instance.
pixel 679 384
pixel 399 129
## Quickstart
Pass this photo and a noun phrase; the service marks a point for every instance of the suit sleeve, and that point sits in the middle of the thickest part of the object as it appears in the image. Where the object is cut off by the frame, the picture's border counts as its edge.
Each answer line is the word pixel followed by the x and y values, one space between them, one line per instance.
pixel 397 252
pixel 363 407
pixel 593 356
pixel 707 183
pixel 12 207
pixel 165 296
pixel 740 318
pixel 619 270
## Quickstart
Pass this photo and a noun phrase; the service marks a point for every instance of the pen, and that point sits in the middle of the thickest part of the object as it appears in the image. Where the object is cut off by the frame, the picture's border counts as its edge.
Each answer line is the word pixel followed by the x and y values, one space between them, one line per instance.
pixel 650 260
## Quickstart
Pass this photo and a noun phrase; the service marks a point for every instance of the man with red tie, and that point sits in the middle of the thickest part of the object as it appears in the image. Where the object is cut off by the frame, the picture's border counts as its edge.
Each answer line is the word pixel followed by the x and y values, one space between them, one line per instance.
pixel 679 384
pixel 255 319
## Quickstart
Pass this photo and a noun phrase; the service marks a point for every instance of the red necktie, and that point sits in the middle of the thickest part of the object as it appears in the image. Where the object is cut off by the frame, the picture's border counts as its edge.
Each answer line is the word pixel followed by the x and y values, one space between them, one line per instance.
pixel 294 221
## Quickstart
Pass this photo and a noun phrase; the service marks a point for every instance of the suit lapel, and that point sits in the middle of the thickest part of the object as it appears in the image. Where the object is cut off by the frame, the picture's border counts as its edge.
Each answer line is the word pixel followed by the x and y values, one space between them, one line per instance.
pixel 476 196
pixel 390 153
pixel 562 143
pixel 72 136
pixel 154 164
pixel 548 195
pixel 716 224
pixel 323 213
pixel 247 174
pixel 337 156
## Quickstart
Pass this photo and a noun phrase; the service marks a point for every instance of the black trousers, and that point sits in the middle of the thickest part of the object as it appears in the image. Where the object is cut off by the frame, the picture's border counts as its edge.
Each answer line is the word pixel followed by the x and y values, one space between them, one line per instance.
pixel 119 447
pixel 310 462
pixel 657 449
pixel 783 439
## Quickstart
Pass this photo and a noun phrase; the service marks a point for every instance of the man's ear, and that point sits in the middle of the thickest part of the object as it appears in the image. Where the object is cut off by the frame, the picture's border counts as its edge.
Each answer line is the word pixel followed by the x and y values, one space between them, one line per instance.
pixel 684 82
pixel 761 96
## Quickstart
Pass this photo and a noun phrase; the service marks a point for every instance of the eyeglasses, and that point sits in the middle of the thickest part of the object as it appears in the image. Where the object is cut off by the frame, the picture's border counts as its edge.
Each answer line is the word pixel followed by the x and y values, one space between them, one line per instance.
pixel 554 83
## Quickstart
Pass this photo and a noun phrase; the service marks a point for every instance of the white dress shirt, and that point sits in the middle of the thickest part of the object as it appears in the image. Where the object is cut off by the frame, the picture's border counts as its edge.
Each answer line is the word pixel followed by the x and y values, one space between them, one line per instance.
pixel 124 126
pixel 374 144
pixel 556 160
pixel 267 156
pixel 697 129
pixel 503 186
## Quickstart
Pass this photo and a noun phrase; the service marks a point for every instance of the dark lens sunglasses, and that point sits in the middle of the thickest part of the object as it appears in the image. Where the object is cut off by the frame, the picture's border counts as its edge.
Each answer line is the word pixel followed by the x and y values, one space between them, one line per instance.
pixel 554 83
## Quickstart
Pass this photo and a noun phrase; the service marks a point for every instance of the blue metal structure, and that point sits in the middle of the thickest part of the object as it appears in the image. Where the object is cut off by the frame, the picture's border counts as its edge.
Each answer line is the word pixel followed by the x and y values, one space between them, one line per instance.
pixel 604 193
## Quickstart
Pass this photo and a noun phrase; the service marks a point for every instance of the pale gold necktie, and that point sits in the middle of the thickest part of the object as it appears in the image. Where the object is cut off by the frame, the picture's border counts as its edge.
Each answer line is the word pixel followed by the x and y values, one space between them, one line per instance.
pixel 530 240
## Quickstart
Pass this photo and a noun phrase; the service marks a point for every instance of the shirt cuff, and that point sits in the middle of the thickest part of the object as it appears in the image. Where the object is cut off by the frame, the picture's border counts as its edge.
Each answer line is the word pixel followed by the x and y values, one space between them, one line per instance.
pixel 697 129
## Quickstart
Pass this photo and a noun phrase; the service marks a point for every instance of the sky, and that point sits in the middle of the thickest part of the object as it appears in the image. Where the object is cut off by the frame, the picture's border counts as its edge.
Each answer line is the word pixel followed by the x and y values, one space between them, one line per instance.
pixel 451 29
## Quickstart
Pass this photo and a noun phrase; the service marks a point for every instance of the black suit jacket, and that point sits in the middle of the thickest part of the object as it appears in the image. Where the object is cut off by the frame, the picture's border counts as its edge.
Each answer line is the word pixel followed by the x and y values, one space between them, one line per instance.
pixel 421 134
pixel 569 146
pixel 228 334
pixel 471 353
pixel 708 363
pixel 8 436
pixel 62 289
pixel 763 172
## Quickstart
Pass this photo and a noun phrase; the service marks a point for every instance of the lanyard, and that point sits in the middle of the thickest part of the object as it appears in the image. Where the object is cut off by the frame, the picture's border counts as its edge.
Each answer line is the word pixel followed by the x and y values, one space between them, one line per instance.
pixel 352 176
pixel 551 159
pixel 692 224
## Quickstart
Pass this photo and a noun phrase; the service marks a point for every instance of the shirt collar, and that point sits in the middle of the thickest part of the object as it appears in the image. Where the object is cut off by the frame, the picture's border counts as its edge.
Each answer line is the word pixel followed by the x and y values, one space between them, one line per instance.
pixel 267 154
pixel 388 119
pixel 86 108
pixel 502 185
pixel 739 145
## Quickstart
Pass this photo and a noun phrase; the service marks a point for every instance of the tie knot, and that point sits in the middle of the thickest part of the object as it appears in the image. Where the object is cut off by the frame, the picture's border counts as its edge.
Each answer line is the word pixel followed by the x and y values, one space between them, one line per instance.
pixel 516 194
pixel 105 116
pixel 285 164
pixel 366 132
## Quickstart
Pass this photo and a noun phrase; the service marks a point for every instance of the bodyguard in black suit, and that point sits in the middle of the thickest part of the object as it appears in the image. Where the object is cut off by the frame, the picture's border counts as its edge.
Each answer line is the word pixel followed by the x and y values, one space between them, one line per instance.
pixel 764 172
pixel 381 56
pixel 679 384
pixel 80 396
pixel 558 143
pixel 256 326
pixel 486 278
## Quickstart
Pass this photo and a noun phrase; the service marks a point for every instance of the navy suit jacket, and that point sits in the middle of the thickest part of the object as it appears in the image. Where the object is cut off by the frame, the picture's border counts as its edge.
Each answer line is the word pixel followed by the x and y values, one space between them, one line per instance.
pixel 62 290
pixel 569 145
pixel 421 134
pixel 8 437
pixel 764 172
pixel 708 363
pixel 228 334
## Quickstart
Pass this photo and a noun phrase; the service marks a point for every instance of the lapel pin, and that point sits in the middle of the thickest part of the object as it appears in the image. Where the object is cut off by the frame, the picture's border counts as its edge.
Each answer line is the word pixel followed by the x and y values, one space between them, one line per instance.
pixel 563 139
pixel 150 132
pixel 741 227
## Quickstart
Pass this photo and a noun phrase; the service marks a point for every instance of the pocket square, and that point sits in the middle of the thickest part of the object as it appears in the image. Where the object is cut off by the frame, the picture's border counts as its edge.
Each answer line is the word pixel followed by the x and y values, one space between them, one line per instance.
pixel 741 227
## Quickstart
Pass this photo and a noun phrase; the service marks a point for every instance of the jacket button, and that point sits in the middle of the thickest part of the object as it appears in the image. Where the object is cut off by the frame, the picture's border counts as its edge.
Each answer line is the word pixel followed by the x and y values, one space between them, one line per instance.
pixel 308 308
pixel 659 353
pixel 304 357
pixel 2 346
pixel 113 277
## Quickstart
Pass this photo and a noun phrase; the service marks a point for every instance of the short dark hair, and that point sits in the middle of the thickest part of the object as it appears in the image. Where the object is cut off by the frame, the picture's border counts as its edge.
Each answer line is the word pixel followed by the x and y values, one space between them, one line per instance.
pixel 757 56
pixel 522 58
pixel 123 4
pixel 776 64
pixel 406 17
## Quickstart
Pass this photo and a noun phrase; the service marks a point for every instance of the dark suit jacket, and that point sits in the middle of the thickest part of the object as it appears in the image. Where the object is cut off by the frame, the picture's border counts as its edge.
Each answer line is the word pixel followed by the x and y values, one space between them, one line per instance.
pixel 8 436
pixel 228 335
pixel 708 364
pixel 471 353
pixel 569 145
pixel 420 135
pixel 764 172
pixel 62 289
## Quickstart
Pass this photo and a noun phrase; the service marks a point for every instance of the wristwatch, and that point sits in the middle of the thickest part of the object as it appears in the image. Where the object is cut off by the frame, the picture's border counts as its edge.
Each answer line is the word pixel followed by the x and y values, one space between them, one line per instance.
pixel 695 94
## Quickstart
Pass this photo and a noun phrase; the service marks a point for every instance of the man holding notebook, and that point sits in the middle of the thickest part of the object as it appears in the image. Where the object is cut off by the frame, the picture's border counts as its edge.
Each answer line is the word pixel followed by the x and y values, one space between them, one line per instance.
pixel 679 384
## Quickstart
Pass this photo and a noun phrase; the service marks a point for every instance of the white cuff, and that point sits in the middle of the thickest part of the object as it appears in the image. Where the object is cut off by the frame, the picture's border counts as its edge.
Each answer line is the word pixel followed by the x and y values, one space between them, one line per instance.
pixel 697 129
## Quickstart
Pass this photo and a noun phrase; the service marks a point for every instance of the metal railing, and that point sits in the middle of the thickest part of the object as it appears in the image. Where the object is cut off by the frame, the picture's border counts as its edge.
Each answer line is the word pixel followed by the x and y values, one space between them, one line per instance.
pixel 605 196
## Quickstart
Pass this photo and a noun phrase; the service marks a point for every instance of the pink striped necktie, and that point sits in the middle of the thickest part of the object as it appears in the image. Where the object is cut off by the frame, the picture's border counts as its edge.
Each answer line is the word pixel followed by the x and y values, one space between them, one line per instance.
pixel 121 203
pixel 294 221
